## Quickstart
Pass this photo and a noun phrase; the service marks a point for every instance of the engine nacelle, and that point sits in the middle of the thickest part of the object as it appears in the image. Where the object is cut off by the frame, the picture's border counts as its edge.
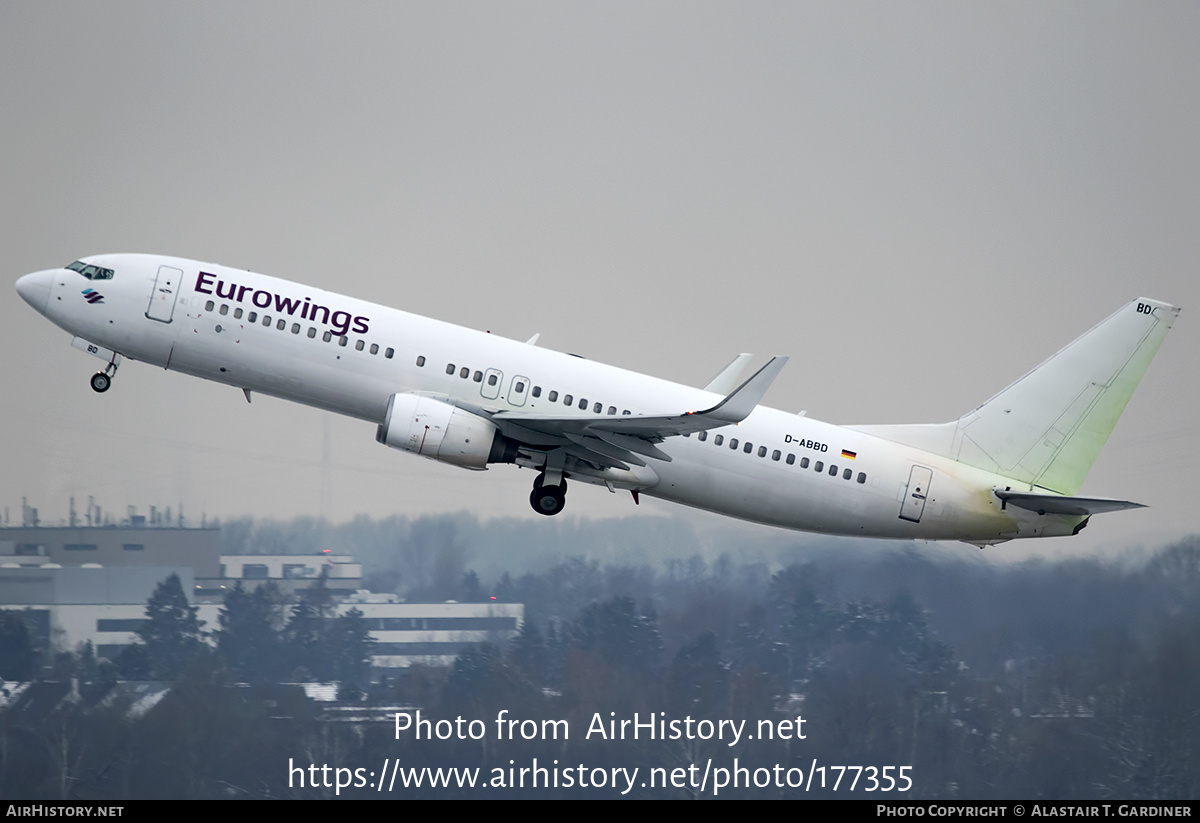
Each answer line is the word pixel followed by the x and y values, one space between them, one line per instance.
pixel 438 430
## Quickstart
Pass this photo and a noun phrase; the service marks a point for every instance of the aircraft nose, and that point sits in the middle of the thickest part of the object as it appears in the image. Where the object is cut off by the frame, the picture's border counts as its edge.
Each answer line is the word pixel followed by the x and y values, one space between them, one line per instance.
pixel 35 289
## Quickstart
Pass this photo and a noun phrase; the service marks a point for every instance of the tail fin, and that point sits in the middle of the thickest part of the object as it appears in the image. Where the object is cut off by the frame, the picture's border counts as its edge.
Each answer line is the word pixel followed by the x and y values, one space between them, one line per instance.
pixel 1047 428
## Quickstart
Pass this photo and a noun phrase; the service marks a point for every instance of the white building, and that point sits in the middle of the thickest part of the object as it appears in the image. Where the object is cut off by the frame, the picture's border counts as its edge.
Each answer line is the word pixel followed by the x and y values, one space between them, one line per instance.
pixel 68 600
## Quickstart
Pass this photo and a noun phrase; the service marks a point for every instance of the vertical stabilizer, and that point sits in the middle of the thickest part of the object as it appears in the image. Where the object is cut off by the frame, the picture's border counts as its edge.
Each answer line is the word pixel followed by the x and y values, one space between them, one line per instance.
pixel 1047 428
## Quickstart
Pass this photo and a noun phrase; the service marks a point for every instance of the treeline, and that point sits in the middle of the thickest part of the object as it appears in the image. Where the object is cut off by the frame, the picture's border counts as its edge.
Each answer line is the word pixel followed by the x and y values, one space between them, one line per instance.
pixel 261 636
pixel 1052 680
pixel 424 558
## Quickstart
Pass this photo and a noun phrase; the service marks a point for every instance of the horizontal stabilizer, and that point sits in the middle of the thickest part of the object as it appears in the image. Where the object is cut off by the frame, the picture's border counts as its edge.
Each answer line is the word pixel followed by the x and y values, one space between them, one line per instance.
pixel 1058 504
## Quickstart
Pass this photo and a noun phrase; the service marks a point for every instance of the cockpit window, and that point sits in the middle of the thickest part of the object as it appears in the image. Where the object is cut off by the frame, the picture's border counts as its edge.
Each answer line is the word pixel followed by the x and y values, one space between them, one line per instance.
pixel 91 272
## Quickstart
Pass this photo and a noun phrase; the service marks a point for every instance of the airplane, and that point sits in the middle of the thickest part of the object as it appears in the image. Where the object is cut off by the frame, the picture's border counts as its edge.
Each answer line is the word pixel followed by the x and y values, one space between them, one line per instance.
pixel 1010 468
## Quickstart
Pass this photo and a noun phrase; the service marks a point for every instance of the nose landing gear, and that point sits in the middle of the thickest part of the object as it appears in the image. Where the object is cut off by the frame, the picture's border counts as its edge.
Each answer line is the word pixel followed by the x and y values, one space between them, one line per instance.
pixel 101 380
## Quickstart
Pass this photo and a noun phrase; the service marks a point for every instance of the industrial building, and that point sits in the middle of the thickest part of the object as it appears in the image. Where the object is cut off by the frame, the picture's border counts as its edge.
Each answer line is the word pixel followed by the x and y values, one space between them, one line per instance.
pixel 79 584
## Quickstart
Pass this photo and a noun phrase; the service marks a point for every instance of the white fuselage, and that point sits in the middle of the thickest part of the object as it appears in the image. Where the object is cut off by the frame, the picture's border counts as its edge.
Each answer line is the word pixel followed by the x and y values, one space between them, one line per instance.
pixel 348 356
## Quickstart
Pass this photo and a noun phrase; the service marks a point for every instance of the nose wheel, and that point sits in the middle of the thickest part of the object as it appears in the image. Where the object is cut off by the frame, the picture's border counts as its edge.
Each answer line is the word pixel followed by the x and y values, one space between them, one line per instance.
pixel 548 500
pixel 101 380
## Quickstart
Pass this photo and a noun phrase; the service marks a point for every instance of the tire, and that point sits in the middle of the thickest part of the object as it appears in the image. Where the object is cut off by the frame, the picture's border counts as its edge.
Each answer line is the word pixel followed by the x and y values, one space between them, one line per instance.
pixel 100 382
pixel 548 500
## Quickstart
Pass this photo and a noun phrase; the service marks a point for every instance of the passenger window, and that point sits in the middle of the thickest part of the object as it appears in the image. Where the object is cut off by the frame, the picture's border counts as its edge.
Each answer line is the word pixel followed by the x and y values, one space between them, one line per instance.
pixel 224 310
pixel 832 470
pixel 537 391
pixel 343 340
pixel 552 397
pixel 492 379
pixel 360 345
pixel 237 313
pixel 612 409
pixel 804 462
pixel 762 451
pixel 583 403
pixel 312 332
pixel 450 369
pixel 420 359
pixel 267 320
pixel 733 443
pixel 597 408
pixel 775 455
pixel 520 387
pixel 281 324
pixel 568 400
pixel 719 439
pixel 477 377
pixel 847 473
pixel 327 336
pixel 374 348
pixel 819 467
pixel 791 459
pixel 625 412
pixel 862 478
pixel 252 317
pixel 749 447
pixel 702 436
pixel 389 352
pixel 209 306
pixel 295 328
pixel 464 372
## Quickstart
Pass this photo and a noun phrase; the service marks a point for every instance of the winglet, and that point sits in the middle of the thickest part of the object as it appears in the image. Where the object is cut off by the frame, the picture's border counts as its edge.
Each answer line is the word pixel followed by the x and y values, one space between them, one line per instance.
pixel 737 406
pixel 726 379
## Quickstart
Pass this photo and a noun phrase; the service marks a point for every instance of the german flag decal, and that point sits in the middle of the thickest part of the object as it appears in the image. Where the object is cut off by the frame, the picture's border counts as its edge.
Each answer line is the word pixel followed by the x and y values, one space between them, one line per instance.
pixel 849 455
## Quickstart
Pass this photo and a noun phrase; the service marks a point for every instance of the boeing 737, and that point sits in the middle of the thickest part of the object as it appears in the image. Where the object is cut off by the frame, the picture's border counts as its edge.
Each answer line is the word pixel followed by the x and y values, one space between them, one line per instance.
pixel 1011 468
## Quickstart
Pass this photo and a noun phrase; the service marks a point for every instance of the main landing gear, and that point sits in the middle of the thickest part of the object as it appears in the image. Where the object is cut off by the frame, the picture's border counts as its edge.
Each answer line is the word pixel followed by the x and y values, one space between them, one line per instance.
pixel 101 380
pixel 548 500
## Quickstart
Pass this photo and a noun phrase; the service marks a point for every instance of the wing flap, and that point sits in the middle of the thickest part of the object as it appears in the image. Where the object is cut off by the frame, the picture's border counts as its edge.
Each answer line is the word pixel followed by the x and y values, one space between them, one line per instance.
pixel 597 446
pixel 594 457
pixel 634 444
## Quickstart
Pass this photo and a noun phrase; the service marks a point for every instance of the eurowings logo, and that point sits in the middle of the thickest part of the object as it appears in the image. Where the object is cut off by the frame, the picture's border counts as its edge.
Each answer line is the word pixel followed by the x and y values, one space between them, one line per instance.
pixel 93 296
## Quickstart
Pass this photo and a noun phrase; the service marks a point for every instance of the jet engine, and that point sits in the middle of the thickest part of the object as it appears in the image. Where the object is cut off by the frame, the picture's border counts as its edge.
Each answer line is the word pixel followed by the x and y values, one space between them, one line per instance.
pixel 438 430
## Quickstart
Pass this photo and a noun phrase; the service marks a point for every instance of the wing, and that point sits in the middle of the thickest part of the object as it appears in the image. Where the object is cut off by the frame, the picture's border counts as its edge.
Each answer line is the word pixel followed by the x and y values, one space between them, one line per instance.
pixel 622 441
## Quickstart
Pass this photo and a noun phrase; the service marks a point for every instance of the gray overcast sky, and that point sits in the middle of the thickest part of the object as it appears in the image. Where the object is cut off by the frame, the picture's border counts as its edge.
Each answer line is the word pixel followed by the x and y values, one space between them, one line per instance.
pixel 917 201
